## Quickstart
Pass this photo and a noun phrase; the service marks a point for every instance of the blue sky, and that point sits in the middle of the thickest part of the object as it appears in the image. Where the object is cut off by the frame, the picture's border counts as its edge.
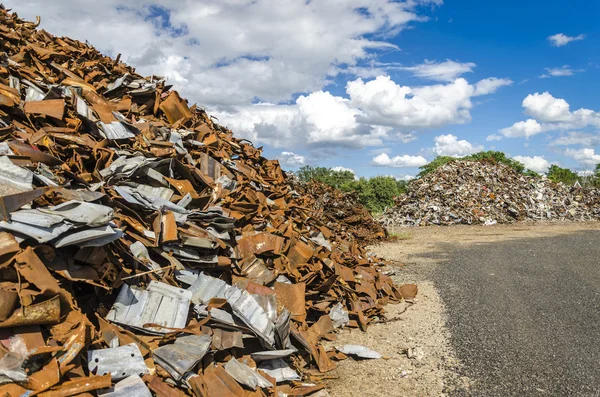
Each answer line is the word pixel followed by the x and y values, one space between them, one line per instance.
pixel 376 86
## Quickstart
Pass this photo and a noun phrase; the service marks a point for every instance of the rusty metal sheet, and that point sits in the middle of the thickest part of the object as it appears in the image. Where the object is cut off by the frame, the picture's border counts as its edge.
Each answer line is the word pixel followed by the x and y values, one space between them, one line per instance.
pixel 45 378
pixel 220 384
pixel 78 386
pixel 50 107
pixel 291 296
pixel 260 243
pixel 175 108
pixel 8 244
pixel 47 312
pixel 408 291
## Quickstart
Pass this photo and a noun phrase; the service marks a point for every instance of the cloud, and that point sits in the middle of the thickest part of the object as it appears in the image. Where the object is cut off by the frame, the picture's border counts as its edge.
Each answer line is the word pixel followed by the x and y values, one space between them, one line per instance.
pixel 440 71
pixel 560 39
pixel 554 114
pixel 545 107
pixel 404 161
pixel 586 173
pixel 490 85
pixel 232 52
pixel 405 177
pixel 494 137
pixel 449 145
pixel 585 156
pixel 536 163
pixel 340 168
pixel 385 103
pixel 292 160
pixel 374 111
pixel 522 129
pixel 317 120
pixel 576 138
pixel 565 70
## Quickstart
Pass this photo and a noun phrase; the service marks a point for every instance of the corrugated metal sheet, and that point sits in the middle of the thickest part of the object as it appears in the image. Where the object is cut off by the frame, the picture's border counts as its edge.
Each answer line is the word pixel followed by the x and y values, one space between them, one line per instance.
pixel 159 304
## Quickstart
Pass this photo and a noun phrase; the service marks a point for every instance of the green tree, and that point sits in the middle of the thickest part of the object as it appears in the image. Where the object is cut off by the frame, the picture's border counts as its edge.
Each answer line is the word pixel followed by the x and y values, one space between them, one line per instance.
pixel 564 175
pixel 325 175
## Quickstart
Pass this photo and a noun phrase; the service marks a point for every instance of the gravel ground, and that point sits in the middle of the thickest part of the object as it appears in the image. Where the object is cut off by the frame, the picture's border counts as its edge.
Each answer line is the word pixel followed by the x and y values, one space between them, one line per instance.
pixel 503 310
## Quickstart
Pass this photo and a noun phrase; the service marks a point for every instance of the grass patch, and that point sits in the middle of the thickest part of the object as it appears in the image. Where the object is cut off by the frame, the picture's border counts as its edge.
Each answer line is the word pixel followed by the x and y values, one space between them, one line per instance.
pixel 400 236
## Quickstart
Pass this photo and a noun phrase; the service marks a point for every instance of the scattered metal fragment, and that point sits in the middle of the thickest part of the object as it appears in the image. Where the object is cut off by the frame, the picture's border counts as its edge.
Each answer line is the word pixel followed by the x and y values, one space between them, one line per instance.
pixel 279 370
pixel 339 315
pixel 359 351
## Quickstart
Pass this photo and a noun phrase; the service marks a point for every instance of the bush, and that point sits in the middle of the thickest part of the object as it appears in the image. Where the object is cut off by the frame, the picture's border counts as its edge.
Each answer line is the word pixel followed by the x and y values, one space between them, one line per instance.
pixel 490 155
pixel 374 193
pixel 564 175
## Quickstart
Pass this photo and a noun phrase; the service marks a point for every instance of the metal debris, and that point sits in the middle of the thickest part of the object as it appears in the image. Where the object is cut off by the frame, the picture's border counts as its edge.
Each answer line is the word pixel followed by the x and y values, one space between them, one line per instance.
pixel 183 355
pixel 479 192
pixel 119 362
pixel 245 375
pixel 147 250
pixel 359 351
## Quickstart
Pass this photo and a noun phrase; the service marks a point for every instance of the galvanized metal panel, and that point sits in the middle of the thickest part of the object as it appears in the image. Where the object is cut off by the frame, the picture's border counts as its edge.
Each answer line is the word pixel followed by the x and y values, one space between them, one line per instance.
pixel 183 355
pixel 121 362
pixel 160 304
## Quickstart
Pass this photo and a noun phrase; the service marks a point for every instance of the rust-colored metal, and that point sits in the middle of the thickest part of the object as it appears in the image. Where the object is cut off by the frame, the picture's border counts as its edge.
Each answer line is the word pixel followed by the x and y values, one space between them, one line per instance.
pixel 13 202
pixel 183 196
pixel 51 107
pixel 78 386
pixel 47 312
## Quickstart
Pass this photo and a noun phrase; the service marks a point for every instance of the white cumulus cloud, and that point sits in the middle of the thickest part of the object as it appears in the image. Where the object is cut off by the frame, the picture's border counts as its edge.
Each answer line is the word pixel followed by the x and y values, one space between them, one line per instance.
pixel 550 114
pixel 292 160
pixel 231 52
pixel 545 107
pixel 585 156
pixel 561 39
pixel 577 138
pixel 404 161
pixel 449 145
pixel 374 111
pixel 536 163
pixel 522 129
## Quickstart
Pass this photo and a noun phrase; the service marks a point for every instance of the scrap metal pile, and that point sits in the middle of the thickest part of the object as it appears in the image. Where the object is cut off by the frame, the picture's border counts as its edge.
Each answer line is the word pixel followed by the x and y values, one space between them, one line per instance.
pixel 344 208
pixel 481 192
pixel 146 251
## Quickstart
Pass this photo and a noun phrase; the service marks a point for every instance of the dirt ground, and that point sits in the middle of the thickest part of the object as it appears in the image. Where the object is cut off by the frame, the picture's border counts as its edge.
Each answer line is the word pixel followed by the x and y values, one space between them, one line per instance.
pixel 422 325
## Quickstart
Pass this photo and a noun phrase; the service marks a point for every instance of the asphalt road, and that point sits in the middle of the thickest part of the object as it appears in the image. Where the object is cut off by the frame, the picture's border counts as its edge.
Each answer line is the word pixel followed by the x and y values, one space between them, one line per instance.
pixel 524 315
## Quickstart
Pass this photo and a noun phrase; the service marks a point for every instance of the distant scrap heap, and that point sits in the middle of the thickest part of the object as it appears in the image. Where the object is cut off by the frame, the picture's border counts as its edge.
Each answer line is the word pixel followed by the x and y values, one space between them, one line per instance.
pixel 483 192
